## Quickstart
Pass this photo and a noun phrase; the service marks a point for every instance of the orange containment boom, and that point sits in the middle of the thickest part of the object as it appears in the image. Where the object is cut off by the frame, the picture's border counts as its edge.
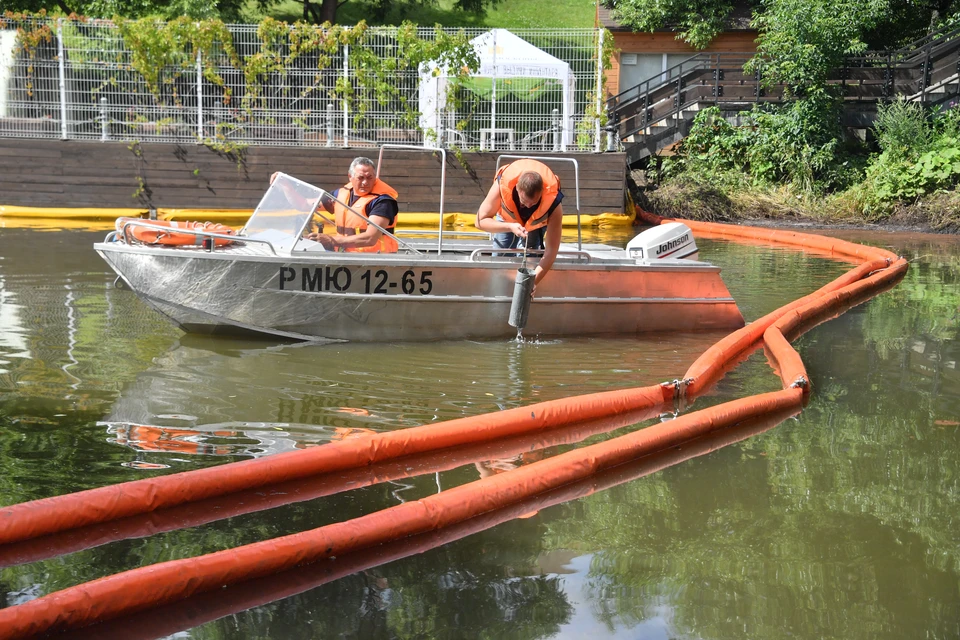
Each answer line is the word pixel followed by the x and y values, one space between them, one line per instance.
pixel 160 622
pixel 193 514
pixel 168 582
pixel 51 515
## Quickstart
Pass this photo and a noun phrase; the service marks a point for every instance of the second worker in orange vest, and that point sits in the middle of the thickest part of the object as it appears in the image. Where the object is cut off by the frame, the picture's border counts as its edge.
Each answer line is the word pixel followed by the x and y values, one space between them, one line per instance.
pixel 523 207
pixel 373 198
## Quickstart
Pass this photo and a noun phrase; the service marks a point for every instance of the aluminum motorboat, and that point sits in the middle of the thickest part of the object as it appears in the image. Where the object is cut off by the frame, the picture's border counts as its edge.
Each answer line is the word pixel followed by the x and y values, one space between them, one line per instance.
pixel 270 280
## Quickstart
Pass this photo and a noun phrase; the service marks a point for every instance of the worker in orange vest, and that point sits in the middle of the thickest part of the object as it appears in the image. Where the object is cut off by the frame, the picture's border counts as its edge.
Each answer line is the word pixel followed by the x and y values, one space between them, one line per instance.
pixel 523 208
pixel 372 197
pixel 366 194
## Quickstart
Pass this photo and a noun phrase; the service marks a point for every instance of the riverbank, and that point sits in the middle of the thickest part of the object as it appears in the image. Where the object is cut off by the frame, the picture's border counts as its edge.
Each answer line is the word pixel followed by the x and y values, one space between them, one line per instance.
pixel 687 198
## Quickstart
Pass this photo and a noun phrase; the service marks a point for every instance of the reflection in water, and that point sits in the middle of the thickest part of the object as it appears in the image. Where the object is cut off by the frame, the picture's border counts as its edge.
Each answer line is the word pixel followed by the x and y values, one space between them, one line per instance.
pixel 223 439
pixel 839 524
pixel 299 395
pixel 12 333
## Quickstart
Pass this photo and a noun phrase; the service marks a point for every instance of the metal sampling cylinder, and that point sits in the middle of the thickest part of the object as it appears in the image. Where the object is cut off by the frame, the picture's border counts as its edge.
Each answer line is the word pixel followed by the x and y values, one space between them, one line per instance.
pixel 522 295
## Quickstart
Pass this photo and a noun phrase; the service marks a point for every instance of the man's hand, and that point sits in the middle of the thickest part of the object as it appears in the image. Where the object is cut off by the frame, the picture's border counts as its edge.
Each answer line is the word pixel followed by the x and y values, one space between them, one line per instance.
pixel 517 229
pixel 329 242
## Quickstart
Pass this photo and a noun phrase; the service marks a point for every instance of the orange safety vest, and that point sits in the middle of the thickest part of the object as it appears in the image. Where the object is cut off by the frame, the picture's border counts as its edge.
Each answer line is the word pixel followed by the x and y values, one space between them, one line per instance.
pixel 507 178
pixel 347 219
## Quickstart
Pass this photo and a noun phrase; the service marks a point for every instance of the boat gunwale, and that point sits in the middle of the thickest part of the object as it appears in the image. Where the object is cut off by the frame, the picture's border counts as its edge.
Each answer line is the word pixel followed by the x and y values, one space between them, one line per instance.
pixel 568 262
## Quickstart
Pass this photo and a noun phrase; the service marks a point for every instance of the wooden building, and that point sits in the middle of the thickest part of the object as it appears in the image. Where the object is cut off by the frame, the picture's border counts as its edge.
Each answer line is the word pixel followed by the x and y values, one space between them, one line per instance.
pixel 641 56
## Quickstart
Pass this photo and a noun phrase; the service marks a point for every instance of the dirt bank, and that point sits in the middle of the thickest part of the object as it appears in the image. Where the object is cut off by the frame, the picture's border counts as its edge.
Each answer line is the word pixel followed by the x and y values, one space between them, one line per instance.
pixel 936 213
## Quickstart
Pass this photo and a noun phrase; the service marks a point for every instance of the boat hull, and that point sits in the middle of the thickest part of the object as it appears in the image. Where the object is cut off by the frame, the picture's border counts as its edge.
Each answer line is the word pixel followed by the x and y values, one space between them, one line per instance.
pixel 375 298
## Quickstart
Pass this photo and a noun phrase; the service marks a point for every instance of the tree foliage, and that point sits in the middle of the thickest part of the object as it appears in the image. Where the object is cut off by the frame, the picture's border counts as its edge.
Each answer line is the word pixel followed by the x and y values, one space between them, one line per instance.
pixel 314 11
pixel 374 11
pixel 697 22
pixel 799 145
pixel 802 40
pixel 229 10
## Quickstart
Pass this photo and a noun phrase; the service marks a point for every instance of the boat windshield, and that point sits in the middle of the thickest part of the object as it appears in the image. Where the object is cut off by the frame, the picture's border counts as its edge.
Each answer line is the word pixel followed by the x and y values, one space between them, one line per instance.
pixel 285 211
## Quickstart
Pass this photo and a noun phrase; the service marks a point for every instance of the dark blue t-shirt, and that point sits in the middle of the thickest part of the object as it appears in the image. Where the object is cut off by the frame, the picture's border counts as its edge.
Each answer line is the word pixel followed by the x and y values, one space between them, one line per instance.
pixel 383 206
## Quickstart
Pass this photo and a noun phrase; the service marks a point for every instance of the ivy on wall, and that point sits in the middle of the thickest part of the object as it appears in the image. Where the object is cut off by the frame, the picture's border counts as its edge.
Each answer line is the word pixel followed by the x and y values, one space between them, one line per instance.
pixel 586 128
pixel 161 52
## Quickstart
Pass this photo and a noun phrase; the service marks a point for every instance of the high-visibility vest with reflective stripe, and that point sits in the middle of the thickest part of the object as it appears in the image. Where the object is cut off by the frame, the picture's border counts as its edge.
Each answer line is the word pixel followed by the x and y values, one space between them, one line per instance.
pixel 348 220
pixel 507 178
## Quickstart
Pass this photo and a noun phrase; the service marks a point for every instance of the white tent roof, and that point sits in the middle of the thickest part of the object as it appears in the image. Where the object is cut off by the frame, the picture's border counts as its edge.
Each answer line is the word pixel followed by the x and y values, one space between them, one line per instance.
pixel 502 55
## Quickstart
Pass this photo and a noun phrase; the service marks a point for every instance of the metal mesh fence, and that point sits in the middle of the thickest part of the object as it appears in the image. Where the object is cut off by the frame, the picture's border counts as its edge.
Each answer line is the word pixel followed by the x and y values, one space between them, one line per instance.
pixel 536 90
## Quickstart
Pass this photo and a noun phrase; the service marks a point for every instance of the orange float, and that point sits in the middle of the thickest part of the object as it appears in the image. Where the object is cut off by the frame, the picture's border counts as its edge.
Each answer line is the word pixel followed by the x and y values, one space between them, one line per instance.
pixel 169 235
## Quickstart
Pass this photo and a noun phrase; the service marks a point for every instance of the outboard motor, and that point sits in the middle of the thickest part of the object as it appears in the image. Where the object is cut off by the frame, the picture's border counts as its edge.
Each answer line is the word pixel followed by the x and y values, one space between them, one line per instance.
pixel 672 240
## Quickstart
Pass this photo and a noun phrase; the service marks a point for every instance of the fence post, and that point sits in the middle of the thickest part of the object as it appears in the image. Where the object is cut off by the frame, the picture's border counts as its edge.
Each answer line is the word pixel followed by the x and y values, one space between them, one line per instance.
pixel 199 97
pixel 63 80
pixel 611 132
pixel 329 124
pixel 645 117
pixel 493 100
pixel 555 127
pixel 596 146
pixel 346 106
pixel 716 80
pixel 890 82
pixel 104 122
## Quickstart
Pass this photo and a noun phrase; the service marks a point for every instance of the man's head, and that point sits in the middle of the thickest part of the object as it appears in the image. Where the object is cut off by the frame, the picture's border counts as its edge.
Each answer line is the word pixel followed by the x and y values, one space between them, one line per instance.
pixel 362 175
pixel 529 188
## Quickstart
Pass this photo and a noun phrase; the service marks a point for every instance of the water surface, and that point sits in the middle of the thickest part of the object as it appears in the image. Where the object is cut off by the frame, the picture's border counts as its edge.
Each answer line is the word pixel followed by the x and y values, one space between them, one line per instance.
pixel 840 523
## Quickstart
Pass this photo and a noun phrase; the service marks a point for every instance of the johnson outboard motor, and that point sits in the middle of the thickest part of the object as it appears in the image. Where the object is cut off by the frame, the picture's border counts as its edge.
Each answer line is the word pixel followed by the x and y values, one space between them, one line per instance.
pixel 671 240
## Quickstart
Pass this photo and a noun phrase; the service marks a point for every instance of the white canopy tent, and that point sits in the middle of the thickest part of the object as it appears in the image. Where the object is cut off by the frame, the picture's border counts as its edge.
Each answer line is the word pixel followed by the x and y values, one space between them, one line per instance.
pixel 8 41
pixel 502 55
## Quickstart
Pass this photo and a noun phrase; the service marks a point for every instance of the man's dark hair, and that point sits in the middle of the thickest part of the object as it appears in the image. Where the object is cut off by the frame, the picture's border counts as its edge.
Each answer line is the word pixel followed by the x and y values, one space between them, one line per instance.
pixel 530 183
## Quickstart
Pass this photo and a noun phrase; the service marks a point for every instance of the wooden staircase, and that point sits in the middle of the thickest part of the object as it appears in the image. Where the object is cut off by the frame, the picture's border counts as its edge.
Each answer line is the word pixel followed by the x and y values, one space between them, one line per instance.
pixel 659 112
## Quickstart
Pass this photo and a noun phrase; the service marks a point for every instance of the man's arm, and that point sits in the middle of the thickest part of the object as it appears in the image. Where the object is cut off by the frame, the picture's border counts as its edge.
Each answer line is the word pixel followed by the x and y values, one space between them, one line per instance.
pixel 369 237
pixel 486 215
pixel 551 243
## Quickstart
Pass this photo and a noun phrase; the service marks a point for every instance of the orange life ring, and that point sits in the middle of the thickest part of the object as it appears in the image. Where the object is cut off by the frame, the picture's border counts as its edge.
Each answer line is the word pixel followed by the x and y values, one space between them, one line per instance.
pixel 171 238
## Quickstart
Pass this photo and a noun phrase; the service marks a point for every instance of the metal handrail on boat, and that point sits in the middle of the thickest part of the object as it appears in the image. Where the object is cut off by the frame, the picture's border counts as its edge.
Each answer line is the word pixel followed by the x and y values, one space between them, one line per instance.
pixel 207 234
pixel 476 253
pixel 457 232
pixel 443 180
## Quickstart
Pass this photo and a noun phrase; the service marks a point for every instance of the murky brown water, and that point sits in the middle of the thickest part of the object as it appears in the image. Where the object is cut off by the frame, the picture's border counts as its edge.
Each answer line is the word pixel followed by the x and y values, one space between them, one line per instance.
pixel 841 523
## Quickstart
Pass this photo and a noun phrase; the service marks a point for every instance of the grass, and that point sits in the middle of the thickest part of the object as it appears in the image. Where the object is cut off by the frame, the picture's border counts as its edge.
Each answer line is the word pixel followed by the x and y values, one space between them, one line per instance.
pixel 508 14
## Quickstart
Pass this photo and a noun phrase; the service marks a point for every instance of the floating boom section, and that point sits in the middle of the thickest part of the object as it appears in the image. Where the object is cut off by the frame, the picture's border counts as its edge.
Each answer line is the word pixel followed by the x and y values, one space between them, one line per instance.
pixel 167 582
pixel 193 514
pixel 114 596
pixel 161 622
pixel 51 515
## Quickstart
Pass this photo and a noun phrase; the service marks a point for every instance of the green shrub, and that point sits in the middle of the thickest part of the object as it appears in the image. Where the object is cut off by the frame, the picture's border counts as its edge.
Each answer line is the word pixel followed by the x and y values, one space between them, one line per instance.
pixel 799 144
pixel 902 127
pixel 919 156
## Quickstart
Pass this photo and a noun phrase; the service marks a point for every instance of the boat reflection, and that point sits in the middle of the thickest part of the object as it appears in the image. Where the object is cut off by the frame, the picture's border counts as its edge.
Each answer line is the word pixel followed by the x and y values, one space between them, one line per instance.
pixel 226 439
pixel 217 397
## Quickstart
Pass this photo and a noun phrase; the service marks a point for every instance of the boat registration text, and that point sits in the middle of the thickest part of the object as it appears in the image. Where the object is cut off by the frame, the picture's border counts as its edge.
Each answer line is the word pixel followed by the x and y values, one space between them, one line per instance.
pixel 344 280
